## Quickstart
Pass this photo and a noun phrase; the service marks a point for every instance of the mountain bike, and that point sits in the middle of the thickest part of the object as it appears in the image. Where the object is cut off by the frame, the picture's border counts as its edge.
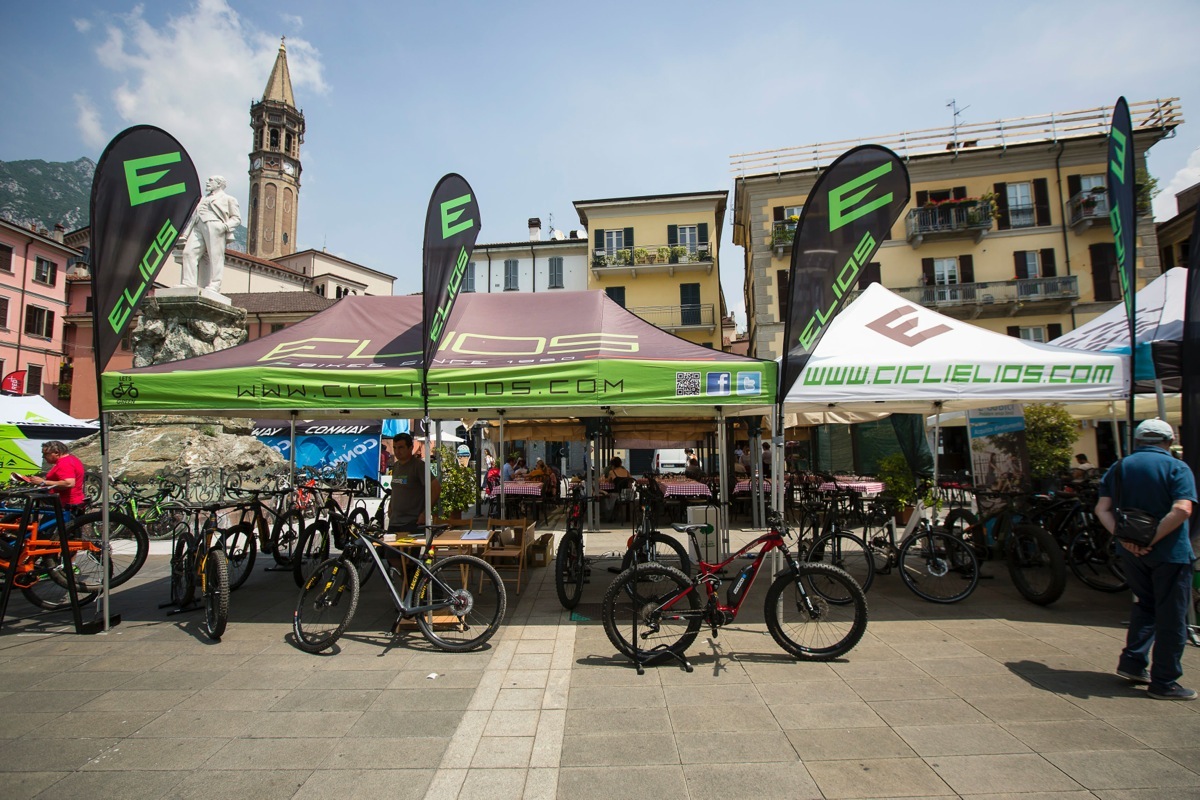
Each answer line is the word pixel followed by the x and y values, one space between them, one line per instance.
pixel 198 561
pixel 815 612
pixel 156 507
pixel 1091 551
pixel 457 602
pixel 330 526
pixel 1035 561
pixel 253 518
pixel 933 563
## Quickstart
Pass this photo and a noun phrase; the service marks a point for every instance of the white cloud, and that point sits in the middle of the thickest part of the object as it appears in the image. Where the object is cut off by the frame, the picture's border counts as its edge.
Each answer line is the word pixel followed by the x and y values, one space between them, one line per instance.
pixel 293 22
pixel 1188 175
pixel 88 121
pixel 195 76
pixel 82 25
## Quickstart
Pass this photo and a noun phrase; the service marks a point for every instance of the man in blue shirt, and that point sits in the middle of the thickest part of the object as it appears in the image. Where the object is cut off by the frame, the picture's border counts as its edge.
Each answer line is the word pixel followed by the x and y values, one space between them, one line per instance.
pixel 1160 576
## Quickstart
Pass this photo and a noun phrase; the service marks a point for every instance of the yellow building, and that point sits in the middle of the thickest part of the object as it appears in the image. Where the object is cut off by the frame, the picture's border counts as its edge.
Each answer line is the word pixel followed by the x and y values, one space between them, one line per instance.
pixel 657 255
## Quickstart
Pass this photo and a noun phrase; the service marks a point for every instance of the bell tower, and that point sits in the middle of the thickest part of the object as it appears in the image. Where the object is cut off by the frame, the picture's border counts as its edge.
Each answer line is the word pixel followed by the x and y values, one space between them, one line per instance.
pixel 278 128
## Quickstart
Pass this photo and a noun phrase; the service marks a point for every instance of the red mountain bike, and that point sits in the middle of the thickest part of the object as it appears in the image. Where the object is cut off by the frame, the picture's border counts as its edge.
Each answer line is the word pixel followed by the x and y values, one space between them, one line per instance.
pixel 816 612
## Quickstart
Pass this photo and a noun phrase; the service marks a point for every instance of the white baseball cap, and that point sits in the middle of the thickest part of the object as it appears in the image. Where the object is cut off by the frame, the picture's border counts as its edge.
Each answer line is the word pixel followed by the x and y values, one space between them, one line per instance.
pixel 1154 430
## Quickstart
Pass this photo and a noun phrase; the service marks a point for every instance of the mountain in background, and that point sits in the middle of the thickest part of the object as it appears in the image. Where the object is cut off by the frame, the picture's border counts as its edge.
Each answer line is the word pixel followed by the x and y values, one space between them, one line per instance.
pixel 43 193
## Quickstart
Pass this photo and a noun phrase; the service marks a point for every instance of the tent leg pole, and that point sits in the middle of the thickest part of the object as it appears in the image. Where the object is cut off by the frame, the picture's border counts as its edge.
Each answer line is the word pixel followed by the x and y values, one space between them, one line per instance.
pixel 1162 400
pixel 723 499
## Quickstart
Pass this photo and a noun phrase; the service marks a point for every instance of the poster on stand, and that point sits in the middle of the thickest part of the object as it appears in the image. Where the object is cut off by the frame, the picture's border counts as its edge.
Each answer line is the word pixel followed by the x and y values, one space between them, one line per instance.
pixel 999 455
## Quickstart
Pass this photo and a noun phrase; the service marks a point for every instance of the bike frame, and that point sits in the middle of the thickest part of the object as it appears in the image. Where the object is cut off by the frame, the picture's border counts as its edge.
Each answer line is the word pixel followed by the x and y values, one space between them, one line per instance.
pixel 769 541
pixel 404 604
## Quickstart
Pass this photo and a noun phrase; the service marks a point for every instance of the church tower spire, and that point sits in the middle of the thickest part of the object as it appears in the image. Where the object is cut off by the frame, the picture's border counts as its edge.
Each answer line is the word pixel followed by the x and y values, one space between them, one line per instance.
pixel 278 128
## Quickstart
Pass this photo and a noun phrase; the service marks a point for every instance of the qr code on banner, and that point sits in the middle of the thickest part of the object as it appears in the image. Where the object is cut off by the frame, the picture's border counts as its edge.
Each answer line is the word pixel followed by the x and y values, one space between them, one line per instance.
pixel 687 384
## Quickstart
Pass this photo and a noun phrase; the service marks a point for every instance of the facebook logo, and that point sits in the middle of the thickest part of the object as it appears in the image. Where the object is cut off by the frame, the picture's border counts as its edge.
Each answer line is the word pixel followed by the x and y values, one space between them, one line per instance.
pixel 749 383
pixel 718 384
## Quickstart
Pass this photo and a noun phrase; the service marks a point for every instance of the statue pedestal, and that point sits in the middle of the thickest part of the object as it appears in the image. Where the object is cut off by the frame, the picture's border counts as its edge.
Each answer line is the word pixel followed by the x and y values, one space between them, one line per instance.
pixel 184 322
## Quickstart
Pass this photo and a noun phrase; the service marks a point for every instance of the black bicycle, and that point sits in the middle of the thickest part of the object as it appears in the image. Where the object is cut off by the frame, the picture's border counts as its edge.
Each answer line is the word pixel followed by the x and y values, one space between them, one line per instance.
pixel 198 562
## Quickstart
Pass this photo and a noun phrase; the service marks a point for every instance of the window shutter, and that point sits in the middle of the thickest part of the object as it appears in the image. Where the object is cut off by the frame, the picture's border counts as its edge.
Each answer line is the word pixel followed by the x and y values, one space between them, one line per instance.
pixel 1019 264
pixel 628 238
pixel 29 315
pixel 1074 185
pixel 870 274
pixel 1053 331
pixel 1041 201
pixel 1049 268
pixel 927 270
pixel 54 274
pixel 49 330
pixel 777 214
pixel 702 233
pixel 1014 331
pixel 672 235
pixel 959 193
pixel 783 287
pixel 1105 281
pixel 966 269
pixel 922 199
pixel 1001 190
pixel 598 239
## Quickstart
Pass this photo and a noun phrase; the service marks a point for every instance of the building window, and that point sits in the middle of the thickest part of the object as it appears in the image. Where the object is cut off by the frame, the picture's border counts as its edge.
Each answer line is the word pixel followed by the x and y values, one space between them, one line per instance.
pixel 469 278
pixel 510 275
pixel 276 327
pixel 614 241
pixel 1088 183
pixel 3 371
pixel 88 304
pixel 39 322
pixel 4 313
pixel 127 339
pixel 1020 205
pixel 616 294
pixel 945 271
pixel 556 272
pixel 1033 334
pixel 33 379
pixel 688 237
pixel 45 271
pixel 6 254
pixel 783 292
pixel 319 290
pixel 1027 264
pixel 689 303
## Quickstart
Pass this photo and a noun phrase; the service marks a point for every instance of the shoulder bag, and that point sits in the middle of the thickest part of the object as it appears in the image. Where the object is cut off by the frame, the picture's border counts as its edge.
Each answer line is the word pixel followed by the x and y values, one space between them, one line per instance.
pixel 1134 525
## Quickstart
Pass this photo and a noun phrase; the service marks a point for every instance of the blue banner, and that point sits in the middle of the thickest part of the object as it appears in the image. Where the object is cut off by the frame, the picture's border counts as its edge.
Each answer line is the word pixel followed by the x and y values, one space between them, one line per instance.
pixel 360 453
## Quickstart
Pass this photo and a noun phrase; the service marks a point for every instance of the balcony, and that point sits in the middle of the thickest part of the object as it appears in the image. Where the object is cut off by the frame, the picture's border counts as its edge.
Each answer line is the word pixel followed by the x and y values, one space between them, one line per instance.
pixel 1087 209
pixel 673 318
pixel 1014 298
pixel 782 234
pixel 948 220
pixel 653 258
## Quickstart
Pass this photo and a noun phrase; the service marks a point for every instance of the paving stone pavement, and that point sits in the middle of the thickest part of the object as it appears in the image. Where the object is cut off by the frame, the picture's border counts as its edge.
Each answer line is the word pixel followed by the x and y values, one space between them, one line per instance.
pixel 989 698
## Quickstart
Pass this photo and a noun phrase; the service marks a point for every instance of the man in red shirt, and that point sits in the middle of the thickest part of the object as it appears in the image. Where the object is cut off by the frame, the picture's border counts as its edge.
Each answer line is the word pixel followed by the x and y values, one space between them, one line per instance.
pixel 65 476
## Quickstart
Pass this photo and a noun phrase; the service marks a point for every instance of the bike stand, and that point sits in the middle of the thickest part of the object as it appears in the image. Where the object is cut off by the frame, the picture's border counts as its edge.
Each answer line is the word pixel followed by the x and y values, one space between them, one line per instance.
pixel 655 654
pixel 195 605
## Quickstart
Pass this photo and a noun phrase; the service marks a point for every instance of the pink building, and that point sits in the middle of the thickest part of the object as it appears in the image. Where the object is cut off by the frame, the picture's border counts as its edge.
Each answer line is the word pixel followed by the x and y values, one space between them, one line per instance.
pixel 33 292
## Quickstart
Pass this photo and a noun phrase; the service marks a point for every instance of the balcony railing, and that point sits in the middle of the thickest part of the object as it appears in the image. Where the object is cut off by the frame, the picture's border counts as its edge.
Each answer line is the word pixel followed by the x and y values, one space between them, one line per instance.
pixel 970 218
pixel 653 254
pixel 683 316
pixel 782 233
pixel 995 298
pixel 1086 209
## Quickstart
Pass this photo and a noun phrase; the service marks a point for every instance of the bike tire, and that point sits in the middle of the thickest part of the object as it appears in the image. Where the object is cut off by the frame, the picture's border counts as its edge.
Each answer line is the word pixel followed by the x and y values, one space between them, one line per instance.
pixel 285 535
pixel 1036 564
pixel 128 547
pixel 962 523
pixel 805 624
pixel 938 566
pixel 241 550
pixel 1093 558
pixel 479 603
pixel 569 570
pixel 183 579
pixel 326 605
pixel 216 593
pixel 846 552
pixel 312 548
pixel 639 591
pixel 51 595
pixel 678 557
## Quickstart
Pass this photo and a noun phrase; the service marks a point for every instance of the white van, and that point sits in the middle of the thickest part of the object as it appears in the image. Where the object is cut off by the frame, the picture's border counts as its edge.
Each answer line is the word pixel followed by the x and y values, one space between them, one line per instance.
pixel 670 462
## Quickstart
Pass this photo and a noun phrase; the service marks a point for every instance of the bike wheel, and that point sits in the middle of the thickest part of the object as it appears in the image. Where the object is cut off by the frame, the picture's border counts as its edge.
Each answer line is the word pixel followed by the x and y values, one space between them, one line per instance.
pixel 637 597
pixel 660 549
pixel 1036 564
pixel 473 599
pixel 49 594
pixel 216 593
pixel 183 581
pixel 128 546
pixel 1092 556
pixel 241 552
pixel 168 524
pixel 312 549
pixel 289 527
pixel 569 569
pixel 805 623
pixel 327 603
pixel 962 523
pixel 846 552
pixel 938 567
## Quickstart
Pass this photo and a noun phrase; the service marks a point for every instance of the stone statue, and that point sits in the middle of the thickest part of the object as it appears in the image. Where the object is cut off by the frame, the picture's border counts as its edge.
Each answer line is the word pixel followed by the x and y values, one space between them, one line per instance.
pixel 204 237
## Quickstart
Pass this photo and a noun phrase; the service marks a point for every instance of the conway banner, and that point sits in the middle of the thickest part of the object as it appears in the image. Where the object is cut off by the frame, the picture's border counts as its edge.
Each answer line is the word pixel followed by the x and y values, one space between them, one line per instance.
pixel 363 357
pixel 326 444
pixel 143 191
pixel 848 213
pixel 451 227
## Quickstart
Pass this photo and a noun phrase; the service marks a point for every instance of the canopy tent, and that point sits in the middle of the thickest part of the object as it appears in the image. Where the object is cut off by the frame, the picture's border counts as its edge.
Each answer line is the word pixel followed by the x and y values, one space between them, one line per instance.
pixel 28 421
pixel 883 354
pixel 530 355
pixel 1159 330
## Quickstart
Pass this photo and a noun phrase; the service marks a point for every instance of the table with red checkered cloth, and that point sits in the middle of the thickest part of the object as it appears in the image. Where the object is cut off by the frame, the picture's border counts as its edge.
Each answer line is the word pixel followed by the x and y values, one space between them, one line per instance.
pixel 605 486
pixel 744 486
pixel 685 489
pixel 529 488
pixel 865 487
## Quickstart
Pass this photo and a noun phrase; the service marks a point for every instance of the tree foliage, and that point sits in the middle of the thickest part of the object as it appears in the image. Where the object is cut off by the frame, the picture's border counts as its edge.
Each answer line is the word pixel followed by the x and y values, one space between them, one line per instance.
pixel 458 483
pixel 1050 433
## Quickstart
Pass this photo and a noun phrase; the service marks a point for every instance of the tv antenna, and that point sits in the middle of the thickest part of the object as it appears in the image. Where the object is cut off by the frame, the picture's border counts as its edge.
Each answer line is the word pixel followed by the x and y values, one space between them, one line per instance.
pixel 550 233
pixel 956 113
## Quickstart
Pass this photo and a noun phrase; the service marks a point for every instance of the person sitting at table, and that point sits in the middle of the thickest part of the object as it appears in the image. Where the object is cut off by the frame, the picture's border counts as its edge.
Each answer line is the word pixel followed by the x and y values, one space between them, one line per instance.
pixel 693 470
pixel 539 469
pixel 521 471
pixel 739 470
pixel 506 472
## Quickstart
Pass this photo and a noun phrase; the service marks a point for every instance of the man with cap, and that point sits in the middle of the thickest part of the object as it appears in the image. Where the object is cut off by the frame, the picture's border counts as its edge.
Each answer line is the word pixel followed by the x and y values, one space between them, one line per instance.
pixel 1160 576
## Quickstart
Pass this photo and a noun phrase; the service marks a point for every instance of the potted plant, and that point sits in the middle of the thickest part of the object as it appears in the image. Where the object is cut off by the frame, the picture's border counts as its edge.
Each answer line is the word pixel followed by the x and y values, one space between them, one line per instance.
pixel 679 254
pixel 623 257
pixel 664 254
pixel 902 484
pixel 1088 203
pixel 458 485
pixel 639 255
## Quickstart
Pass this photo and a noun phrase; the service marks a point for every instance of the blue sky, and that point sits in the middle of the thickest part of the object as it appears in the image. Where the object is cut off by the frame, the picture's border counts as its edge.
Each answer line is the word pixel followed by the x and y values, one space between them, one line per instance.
pixel 540 104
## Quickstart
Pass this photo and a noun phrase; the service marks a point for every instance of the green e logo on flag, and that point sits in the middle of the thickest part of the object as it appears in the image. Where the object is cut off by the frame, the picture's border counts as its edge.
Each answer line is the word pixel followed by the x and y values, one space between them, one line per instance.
pixel 135 179
pixel 451 211
pixel 842 210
